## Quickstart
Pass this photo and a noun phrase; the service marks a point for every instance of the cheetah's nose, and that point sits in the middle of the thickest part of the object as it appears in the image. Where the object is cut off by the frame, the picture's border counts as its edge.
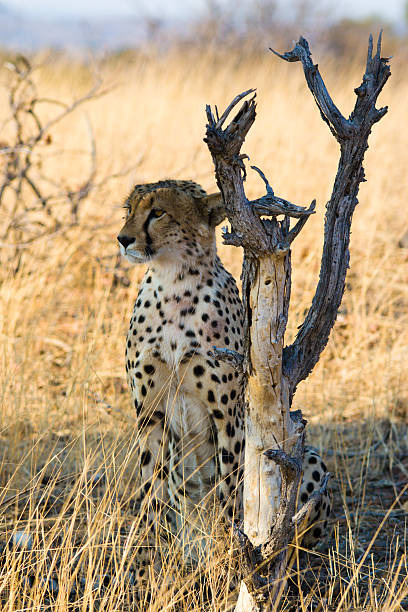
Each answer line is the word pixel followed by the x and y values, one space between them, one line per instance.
pixel 125 240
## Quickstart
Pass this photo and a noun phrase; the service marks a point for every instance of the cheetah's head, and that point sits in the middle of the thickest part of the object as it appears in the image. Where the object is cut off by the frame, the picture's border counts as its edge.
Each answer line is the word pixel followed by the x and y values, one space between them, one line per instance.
pixel 163 217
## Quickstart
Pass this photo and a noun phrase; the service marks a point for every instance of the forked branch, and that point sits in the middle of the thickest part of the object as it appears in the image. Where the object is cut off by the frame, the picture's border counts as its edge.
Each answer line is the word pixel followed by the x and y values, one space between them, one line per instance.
pixel 352 134
pixel 248 230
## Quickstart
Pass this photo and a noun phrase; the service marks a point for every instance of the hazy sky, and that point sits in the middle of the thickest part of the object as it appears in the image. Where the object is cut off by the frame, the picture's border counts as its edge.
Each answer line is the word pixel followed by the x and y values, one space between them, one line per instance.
pixel 391 9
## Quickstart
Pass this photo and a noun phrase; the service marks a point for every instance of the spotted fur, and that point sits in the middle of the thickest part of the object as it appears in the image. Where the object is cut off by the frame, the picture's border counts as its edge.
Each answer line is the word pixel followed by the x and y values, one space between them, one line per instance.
pixel 189 405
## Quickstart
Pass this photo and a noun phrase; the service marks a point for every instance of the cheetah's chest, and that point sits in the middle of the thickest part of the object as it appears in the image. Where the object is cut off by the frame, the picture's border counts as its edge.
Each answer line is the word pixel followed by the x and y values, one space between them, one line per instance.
pixel 176 325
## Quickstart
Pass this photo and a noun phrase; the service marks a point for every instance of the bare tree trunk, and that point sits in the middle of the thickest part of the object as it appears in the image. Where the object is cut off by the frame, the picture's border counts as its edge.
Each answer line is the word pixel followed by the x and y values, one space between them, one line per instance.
pixel 274 435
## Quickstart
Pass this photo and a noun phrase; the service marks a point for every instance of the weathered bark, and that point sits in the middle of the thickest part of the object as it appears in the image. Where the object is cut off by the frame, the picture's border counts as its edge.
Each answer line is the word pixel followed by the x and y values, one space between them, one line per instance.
pixel 274 435
pixel 352 134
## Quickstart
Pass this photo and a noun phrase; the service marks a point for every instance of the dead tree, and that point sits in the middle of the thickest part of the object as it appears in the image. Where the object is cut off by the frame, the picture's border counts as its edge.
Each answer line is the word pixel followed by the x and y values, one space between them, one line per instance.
pixel 274 433
pixel 33 203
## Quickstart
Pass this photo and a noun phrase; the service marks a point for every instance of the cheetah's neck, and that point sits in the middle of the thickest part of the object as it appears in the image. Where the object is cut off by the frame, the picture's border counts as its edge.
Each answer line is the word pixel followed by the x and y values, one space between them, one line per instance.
pixel 186 271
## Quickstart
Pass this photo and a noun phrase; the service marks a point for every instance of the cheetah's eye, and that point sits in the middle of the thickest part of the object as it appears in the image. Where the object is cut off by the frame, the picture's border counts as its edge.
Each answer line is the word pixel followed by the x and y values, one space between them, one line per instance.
pixel 156 212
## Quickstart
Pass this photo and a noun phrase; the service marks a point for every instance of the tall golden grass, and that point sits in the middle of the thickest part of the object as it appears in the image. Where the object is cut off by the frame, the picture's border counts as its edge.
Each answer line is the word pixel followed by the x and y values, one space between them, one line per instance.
pixel 68 443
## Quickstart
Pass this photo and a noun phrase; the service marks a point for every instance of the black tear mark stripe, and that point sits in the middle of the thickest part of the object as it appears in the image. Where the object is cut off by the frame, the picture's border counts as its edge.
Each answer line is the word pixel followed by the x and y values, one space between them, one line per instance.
pixel 148 249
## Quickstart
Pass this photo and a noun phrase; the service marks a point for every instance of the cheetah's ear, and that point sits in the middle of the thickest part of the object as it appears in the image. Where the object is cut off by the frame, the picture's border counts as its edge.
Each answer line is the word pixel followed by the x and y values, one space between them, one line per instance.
pixel 214 204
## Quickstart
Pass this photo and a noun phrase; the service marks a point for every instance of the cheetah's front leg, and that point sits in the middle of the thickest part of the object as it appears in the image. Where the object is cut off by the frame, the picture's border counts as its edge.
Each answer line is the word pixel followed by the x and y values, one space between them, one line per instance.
pixel 221 391
pixel 148 383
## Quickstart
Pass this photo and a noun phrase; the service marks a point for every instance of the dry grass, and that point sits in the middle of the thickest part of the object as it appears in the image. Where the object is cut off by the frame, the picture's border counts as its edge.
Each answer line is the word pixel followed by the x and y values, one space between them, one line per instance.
pixel 67 454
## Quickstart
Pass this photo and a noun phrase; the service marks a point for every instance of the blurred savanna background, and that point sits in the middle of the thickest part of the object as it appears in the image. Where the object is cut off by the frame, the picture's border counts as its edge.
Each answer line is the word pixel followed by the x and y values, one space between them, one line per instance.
pixel 94 99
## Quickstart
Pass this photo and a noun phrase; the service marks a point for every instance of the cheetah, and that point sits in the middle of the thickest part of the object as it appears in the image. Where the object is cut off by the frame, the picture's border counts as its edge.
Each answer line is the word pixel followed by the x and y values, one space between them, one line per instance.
pixel 189 405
